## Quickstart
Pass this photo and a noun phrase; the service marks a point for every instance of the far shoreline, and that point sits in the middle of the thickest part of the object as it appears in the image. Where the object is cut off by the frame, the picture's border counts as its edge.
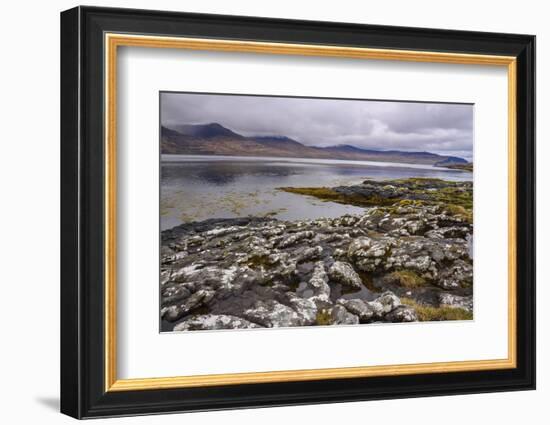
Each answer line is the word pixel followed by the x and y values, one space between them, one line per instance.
pixel 166 158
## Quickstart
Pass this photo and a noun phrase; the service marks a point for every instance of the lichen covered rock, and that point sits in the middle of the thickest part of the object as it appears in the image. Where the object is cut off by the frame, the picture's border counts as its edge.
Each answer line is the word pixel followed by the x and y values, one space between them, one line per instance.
pixel 261 272
pixel 343 273
pixel 214 321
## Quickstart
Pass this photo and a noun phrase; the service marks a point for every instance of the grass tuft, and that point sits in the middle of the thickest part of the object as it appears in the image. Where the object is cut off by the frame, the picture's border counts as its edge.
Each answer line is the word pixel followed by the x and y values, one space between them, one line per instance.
pixel 406 279
pixel 460 211
pixel 430 314
pixel 323 317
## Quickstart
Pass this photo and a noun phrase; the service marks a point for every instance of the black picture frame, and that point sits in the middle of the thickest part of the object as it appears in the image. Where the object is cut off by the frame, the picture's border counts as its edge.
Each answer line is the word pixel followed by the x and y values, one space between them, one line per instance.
pixel 83 392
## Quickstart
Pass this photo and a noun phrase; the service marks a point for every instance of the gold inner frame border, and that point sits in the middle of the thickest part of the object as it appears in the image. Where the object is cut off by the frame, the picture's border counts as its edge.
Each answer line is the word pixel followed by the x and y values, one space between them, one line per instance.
pixel 111 43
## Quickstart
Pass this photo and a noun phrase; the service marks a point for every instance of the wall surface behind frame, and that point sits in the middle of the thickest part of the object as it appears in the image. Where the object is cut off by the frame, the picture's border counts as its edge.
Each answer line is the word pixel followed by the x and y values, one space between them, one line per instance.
pixel 29 223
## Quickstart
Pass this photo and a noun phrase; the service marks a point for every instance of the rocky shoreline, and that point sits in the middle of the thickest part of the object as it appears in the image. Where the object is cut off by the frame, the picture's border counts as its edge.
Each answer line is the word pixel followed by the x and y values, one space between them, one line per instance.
pixel 406 258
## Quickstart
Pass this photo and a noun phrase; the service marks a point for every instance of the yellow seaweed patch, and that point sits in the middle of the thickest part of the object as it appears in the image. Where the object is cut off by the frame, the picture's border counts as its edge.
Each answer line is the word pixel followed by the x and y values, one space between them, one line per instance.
pixel 327 194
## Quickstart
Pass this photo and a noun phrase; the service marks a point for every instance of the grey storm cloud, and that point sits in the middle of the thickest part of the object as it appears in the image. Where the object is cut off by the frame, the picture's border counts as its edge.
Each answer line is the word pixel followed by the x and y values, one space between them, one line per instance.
pixel 412 126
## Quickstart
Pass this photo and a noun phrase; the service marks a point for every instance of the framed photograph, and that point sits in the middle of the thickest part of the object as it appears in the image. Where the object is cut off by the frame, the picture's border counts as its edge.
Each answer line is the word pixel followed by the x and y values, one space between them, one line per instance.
pixel 261 212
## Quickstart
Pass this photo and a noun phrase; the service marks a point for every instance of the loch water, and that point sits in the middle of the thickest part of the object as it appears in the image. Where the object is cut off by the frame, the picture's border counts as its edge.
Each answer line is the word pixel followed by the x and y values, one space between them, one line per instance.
pixel 196 188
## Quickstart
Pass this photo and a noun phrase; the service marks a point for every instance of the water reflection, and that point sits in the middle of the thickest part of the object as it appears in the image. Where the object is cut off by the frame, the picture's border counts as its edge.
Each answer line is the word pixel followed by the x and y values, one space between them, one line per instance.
pixel 219 173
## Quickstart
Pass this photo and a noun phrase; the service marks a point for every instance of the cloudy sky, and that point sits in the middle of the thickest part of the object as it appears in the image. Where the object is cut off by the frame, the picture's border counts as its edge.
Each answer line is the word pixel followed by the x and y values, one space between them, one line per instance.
pixel 440 128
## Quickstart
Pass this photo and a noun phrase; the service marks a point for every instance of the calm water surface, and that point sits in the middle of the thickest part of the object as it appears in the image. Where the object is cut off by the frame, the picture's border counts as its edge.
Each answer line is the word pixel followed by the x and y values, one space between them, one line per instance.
pixel 195 188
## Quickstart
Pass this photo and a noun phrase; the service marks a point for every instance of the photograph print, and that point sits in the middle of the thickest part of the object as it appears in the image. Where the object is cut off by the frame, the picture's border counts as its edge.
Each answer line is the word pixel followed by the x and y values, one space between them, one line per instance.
pixel 292 211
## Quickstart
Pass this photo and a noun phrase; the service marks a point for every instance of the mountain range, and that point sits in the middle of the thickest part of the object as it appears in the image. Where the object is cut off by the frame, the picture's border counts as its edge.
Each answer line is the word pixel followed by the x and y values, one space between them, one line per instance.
pixel 215 139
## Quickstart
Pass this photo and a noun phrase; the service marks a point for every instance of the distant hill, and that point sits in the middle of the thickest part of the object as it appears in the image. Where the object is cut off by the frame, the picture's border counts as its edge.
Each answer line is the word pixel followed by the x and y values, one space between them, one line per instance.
pixel 206 131
pixel 355 153
pixel 451 160
pixel 465 167
pixel 215 139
